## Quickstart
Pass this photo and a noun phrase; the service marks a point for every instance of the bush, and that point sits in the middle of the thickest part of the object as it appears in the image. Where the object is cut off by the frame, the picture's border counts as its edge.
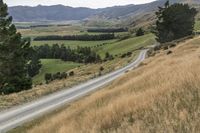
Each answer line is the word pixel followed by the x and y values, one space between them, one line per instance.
pixel 48 77
pixel 63 75
pixel 71 73
pixel 101 68
pixel 165 47
pixel 140 32
pixel 57 76
pixel 128 54
pixel 17 86
pixel 172 45
pixel 169 52
pixel 7 89
pixel 108 56
pixel 123 55
pixel 157 47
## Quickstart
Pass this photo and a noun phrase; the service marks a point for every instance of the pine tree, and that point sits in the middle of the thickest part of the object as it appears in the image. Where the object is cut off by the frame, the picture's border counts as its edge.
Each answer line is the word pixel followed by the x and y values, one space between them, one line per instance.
pixel 34 64
pixel 174 22
pixel 13 56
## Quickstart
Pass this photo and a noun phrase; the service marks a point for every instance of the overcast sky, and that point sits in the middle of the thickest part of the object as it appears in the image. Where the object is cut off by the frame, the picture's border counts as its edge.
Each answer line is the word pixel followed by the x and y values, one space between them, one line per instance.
pixel 76 3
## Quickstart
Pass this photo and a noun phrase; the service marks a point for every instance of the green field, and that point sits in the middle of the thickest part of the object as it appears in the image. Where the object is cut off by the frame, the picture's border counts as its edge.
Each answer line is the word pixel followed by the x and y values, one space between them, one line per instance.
pixel 127 45
pixel 197 26
pixel 53 66
pixel 114 47
pixel 57 30
pixel 73 44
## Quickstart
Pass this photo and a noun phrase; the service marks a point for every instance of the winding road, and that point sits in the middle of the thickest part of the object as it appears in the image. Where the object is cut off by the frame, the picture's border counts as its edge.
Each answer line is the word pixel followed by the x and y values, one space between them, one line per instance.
pixel 17 116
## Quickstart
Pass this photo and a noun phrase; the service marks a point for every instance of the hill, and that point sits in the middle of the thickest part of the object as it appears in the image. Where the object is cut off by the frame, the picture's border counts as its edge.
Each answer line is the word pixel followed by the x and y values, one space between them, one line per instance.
pixel 63 13
pixel 162 95
pixel 49 13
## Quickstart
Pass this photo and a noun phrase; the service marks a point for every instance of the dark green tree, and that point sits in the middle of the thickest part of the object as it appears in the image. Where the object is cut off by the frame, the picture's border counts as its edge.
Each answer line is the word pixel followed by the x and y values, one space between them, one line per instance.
pixel 13 56
pixel 48 77
pixel 174 22
pixel 34 64
pixel 140 32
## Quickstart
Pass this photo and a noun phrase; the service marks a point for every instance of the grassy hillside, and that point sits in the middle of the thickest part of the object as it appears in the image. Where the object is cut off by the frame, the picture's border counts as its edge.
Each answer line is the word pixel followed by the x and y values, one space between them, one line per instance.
pixel 53 66
pixel 163 95
pixel 52 30
pixel 127 45
pixel 197 26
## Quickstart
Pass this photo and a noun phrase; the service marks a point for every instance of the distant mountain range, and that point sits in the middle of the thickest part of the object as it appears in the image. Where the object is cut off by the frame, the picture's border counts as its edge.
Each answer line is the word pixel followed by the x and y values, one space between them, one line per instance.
pixel 64 13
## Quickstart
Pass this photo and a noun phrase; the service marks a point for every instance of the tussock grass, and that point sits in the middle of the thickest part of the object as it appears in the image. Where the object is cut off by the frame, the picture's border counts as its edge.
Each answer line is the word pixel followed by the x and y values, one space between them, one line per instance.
pixel 162 95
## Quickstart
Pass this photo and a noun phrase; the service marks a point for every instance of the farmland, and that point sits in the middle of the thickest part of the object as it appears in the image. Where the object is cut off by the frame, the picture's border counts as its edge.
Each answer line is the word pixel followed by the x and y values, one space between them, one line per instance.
pixel 53 66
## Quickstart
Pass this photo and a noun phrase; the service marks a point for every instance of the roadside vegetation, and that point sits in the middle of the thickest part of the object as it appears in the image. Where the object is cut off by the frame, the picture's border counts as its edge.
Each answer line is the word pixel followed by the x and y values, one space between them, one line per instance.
pixel 161 95
pixel 53 66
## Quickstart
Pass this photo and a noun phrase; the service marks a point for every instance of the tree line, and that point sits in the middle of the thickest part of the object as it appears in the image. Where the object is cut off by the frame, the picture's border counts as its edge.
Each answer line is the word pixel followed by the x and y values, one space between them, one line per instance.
pixel 80 54
pixel 108 30
pixel 85 37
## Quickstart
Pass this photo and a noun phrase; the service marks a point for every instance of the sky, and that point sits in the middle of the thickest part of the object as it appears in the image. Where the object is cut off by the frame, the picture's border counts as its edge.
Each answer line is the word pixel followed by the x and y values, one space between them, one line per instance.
pixel 76 3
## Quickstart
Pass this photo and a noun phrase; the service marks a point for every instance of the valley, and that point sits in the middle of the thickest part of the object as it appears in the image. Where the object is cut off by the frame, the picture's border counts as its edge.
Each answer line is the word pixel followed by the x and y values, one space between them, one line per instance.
pixel 105 70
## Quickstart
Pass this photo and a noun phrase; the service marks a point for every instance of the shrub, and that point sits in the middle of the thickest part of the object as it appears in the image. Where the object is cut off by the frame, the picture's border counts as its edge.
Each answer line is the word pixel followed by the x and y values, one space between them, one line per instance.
pixel 157 47
pixel 123 55
pixel 172 45
pixel 48 77
pixel 7 89
pixel 108 56
pixel 165 47
pixel 71 73
pixel 101 68
pixel 169 52
pixel 63 75
pixel 129 54
pixel 140 32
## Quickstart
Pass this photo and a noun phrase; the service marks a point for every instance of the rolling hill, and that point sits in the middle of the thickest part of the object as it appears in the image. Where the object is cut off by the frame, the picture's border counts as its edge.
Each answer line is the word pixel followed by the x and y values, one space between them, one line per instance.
pixel 63 13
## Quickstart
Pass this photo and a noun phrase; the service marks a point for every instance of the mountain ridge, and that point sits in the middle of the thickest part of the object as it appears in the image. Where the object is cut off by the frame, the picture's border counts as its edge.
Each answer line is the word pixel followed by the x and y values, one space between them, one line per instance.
pixel 64 13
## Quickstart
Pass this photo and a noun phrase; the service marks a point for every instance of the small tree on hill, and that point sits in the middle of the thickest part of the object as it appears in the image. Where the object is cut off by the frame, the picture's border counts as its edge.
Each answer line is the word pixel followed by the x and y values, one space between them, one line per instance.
pixel 140 32
pixel 13 56
pixel 174 22
pixel 48 77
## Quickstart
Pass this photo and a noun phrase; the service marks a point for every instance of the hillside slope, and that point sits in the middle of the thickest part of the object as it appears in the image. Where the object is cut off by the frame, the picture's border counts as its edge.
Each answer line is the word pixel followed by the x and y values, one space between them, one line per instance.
pixel 162 95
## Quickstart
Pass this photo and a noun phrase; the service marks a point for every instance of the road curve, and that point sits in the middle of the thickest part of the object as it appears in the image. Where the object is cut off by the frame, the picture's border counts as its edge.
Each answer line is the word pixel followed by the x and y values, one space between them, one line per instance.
pixel 17 116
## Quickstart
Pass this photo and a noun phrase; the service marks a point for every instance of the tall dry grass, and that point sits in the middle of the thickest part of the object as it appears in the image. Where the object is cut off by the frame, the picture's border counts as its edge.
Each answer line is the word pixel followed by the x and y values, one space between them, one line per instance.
pixel 162 96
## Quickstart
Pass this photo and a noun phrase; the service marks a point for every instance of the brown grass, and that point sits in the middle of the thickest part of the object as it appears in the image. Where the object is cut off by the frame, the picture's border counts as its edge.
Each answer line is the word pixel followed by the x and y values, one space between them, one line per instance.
pixel 163 95
pixel 82 74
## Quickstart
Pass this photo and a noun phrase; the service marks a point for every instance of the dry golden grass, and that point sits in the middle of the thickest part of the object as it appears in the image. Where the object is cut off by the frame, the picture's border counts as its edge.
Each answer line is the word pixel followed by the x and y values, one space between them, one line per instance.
pixel 82 74
pixel 163 95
